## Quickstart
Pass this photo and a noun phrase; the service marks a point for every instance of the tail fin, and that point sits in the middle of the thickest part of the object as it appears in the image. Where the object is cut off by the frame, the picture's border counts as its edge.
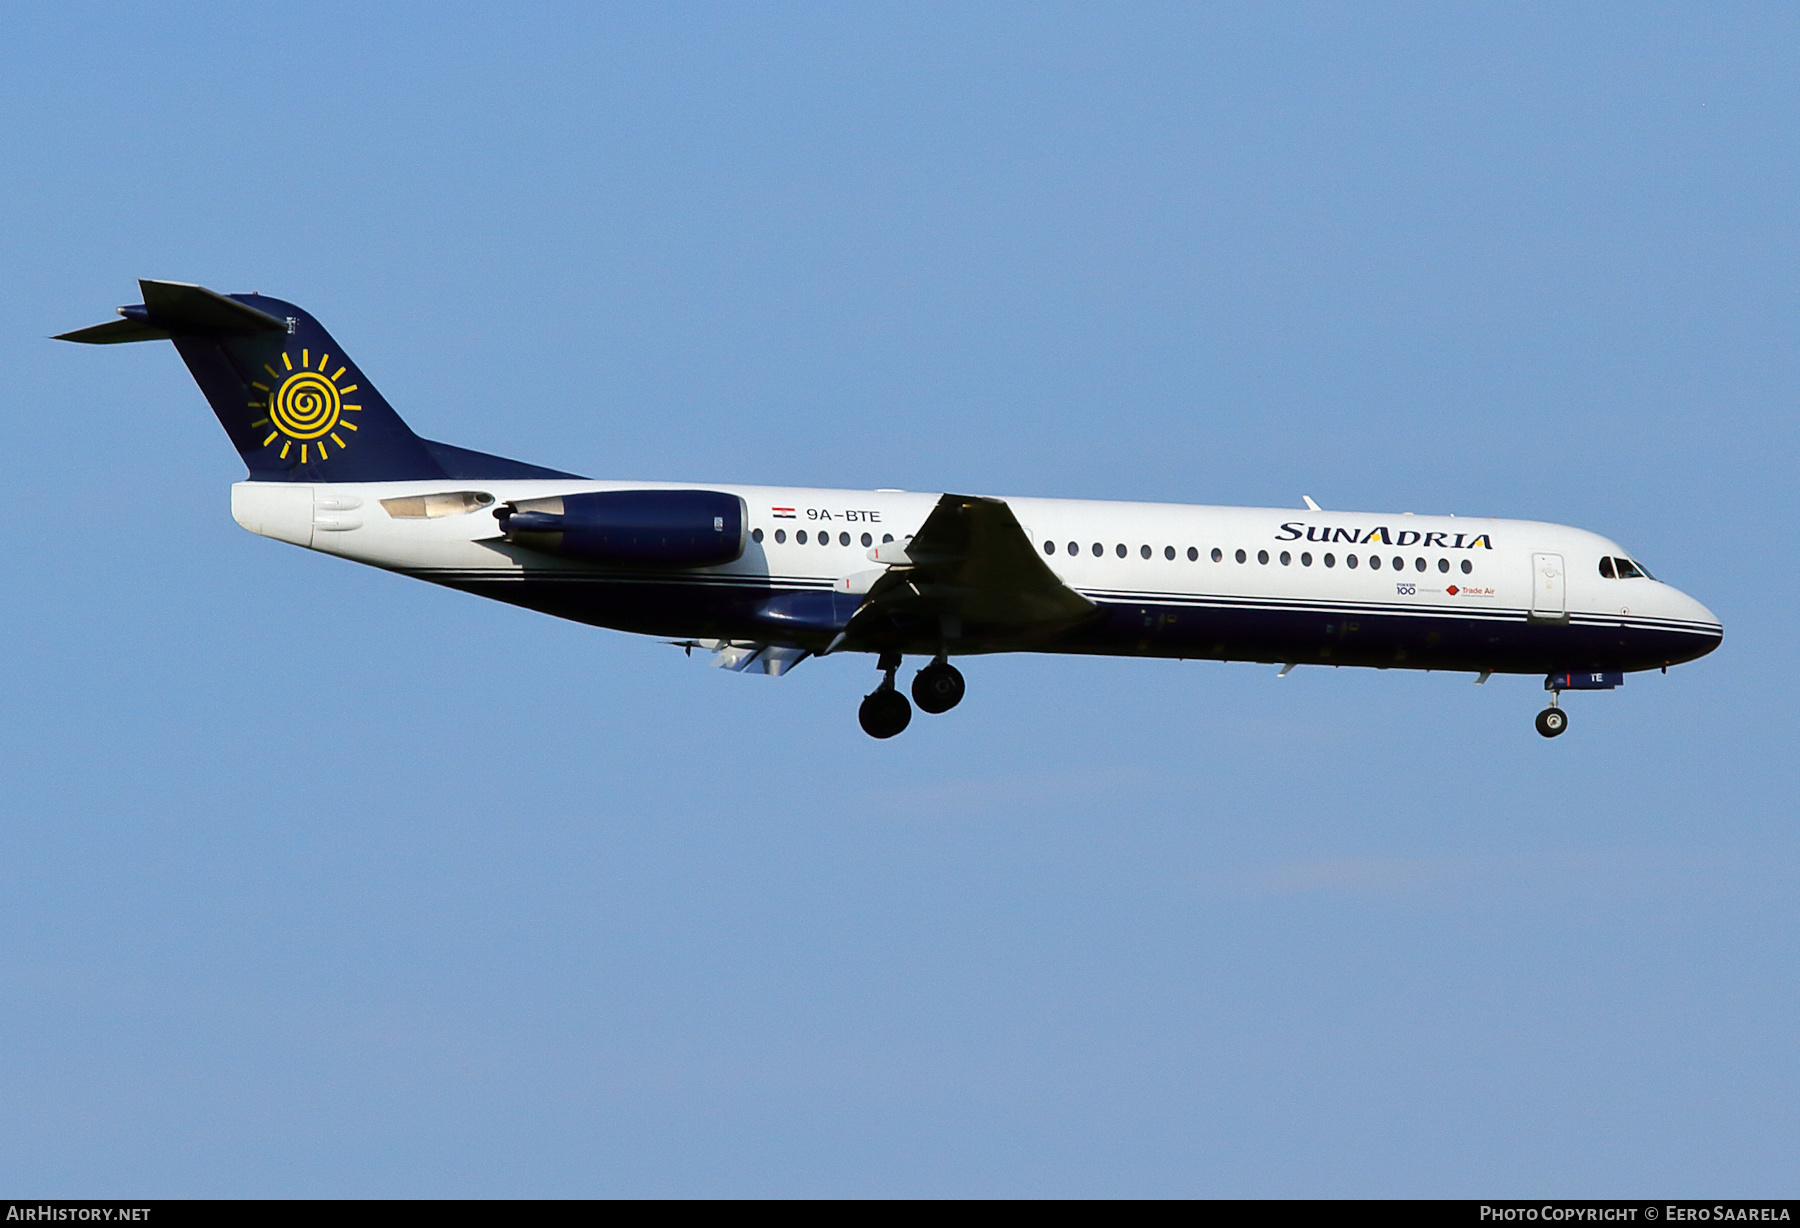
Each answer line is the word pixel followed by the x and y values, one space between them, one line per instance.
pixel 294 404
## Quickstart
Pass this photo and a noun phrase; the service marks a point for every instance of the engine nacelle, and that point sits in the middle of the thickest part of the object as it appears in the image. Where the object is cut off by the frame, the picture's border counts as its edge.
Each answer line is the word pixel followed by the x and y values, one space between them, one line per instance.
pixel 632 528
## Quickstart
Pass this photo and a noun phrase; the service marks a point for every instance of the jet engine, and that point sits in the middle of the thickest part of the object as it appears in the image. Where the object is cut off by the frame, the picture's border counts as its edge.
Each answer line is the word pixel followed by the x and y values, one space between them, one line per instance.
pixel 631 528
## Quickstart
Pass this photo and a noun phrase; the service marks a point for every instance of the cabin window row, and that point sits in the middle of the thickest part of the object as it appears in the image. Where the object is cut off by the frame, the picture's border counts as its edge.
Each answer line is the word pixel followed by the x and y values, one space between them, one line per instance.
pixel 1286 559
pixel 823 537
pixel 1608 567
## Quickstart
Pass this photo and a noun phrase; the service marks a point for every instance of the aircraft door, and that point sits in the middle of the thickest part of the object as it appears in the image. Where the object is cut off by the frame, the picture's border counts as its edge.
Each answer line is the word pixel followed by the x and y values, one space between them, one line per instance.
pixel 1549 598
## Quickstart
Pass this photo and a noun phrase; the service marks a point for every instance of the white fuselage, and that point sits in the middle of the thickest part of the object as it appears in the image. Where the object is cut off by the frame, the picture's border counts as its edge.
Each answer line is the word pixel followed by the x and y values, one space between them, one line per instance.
pixel 1209 581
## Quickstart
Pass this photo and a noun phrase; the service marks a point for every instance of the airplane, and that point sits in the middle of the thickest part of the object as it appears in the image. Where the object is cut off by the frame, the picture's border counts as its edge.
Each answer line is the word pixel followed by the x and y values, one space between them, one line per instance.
pixel 763 577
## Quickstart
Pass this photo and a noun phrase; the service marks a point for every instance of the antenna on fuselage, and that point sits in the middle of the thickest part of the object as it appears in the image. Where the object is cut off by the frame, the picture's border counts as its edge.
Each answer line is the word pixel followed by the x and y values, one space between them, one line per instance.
pixel 1310 505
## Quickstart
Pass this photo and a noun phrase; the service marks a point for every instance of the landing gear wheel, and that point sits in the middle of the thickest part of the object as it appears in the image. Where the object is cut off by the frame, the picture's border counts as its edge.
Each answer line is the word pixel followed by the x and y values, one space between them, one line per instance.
pixel 1552 721
pixel 884 713
pixel 938 687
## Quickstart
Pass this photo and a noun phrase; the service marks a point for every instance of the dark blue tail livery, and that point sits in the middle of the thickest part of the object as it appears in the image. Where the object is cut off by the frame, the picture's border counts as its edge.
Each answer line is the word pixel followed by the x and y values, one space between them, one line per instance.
pixel 295 406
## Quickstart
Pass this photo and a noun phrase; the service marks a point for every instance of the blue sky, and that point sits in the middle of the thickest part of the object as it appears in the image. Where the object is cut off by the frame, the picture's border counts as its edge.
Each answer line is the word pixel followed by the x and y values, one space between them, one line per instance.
pixel 324 882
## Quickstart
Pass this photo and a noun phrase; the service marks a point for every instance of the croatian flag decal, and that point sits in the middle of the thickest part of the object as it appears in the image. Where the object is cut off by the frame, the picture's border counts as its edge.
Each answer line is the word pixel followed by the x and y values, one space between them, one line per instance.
pixel 782 513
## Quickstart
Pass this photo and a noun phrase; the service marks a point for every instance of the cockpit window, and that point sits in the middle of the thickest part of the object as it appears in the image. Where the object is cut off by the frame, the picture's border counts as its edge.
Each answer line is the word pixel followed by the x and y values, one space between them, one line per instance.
pixel 1629 570
pixel 1606 568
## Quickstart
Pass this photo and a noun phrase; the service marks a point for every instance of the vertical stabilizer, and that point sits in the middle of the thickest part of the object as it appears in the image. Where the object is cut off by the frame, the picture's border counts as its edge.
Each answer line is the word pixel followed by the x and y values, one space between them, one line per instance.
pixel 295 406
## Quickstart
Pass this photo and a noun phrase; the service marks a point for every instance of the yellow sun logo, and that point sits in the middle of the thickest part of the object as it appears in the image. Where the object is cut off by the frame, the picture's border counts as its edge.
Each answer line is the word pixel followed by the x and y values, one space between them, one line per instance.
pixel 304 406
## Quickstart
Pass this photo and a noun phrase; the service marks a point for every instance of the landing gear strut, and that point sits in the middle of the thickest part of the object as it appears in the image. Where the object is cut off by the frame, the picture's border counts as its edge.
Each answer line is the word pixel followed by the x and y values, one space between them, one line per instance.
pixel 938 687
pixel 884 710
pixel 1552 720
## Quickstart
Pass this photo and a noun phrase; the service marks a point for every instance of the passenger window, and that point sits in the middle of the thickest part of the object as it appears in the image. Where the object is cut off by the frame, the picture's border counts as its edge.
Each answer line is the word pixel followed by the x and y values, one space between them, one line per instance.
pixel 1074 549
pixel 1168 552
pixel 1375 562
pixel 1262 556
pixel 1194 555
pixel 1443 565
pixel 867 540
pixel 1306 558
pixel 1242 557
pixel 1606 568
pixel 886 538
pixel 1218 555
pixel 1049 547
pixel 1418 564
pixel 1467 567
pixel 756 536
pixel 1399 563
pixel 780 535
pixel 1144 551
pixel 1350 561
pixel 1286 558
pixel 1120 549
pixel 1330 560
pixel 1099 550
pixel 800 536
pixel 844 540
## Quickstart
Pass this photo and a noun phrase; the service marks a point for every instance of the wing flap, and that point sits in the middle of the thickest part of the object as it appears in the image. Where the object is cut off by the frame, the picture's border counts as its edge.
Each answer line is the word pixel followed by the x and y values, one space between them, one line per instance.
pixel 739 656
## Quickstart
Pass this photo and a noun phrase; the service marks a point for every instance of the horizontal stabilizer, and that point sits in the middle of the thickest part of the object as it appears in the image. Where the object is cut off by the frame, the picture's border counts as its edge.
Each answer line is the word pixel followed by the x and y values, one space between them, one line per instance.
pixel 115 331
pixel 175 309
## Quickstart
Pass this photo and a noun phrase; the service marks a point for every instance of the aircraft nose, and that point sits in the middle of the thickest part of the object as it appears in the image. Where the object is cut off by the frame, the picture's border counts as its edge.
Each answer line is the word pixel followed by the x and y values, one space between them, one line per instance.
pixel 1695 612
pixel 1708 632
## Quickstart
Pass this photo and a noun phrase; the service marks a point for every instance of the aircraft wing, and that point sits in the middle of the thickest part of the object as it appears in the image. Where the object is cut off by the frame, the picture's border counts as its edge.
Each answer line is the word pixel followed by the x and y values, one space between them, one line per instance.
pixel 969 573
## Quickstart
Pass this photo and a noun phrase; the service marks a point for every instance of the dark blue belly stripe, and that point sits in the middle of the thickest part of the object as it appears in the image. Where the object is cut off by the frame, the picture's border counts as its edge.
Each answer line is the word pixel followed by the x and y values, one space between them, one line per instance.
pixel 808 613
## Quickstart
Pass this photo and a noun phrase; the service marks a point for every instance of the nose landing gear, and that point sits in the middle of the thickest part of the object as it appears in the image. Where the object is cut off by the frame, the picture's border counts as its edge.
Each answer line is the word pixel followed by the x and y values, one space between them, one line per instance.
pixel 884 710
pixel 938 687
pixel 1553 720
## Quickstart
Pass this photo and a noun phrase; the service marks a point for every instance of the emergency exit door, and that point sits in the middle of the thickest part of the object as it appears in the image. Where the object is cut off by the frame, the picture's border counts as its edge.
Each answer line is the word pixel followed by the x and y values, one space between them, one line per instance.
pixel 1549 598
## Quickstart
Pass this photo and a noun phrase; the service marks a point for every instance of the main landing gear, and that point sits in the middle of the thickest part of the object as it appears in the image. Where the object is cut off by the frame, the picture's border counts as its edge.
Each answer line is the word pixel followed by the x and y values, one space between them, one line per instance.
pixel 936 688
pixel 884 710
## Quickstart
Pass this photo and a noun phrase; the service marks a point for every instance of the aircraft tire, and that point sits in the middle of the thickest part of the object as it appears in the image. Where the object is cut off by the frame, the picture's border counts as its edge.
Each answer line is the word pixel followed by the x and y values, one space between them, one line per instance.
pixel 1552 721
pixel 884 713
pixel 938 687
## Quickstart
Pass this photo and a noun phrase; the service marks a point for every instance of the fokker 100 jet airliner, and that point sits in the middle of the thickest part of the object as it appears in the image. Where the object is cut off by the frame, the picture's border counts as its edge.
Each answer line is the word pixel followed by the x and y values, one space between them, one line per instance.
pixel 765 577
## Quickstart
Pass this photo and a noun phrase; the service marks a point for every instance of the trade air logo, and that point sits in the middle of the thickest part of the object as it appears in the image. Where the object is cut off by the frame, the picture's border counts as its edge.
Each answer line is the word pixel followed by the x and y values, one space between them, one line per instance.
pixel 1381 535
pixel 303 408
